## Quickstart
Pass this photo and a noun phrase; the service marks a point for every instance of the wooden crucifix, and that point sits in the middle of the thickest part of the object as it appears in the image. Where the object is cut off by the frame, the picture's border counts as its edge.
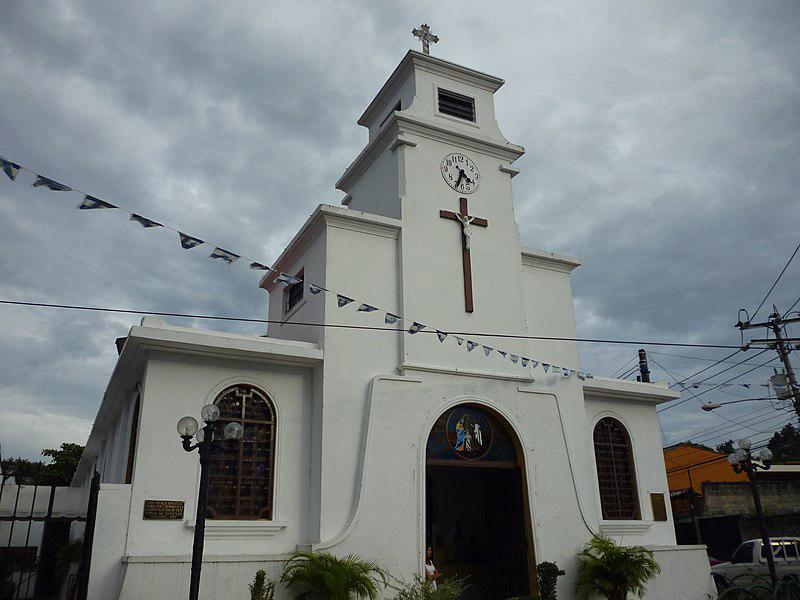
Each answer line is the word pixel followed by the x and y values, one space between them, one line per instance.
pixel 467 221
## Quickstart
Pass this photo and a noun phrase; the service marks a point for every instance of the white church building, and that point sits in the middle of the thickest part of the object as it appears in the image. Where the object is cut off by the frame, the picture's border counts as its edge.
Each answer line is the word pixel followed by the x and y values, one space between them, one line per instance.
pixel 497 452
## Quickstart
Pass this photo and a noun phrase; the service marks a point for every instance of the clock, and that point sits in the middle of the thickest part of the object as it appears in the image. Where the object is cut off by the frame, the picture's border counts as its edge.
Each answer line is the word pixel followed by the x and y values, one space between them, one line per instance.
pixel 461 173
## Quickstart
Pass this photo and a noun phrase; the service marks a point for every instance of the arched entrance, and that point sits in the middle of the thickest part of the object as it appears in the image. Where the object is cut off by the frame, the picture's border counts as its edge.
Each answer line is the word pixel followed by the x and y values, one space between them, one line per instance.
pixel 477 514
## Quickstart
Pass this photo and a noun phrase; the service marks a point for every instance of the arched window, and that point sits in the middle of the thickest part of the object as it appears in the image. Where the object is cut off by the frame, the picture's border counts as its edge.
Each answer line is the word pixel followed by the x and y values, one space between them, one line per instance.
pixel 616 476
pixel 242 473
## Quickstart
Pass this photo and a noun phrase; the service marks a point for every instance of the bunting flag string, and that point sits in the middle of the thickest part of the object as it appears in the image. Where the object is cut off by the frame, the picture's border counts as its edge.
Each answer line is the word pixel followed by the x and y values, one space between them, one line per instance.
pixel 12 169
pixel 89 202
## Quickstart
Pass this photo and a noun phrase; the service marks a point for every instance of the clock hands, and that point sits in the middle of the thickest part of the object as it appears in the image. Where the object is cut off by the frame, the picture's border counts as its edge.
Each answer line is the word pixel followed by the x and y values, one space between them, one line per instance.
pixel 463 175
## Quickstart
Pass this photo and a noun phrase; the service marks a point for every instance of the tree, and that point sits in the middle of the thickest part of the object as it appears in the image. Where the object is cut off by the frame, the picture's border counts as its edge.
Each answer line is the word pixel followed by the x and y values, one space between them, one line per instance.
pixel 785 444
pixel 613 572
pixel 726 447
pixel 58 471
pixel 64 462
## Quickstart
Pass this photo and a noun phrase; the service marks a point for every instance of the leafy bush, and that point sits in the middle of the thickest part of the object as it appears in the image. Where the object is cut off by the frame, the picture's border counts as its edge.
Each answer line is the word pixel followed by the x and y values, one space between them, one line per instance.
pixel 262 588
pixel 547 574
pixel 447 588
pixel 328 577
pixel 613 571
pixel 66 555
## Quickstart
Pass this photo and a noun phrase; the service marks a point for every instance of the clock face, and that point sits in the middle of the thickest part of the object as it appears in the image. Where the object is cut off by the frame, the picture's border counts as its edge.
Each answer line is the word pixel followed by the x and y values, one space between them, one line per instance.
pixel 461 173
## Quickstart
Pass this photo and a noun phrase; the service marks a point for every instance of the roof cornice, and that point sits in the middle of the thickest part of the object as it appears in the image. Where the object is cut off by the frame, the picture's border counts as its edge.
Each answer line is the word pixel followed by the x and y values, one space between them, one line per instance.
pixel 425 62
pixel 329 216
pixel 549 260
pixel 401 124
pixel 618 389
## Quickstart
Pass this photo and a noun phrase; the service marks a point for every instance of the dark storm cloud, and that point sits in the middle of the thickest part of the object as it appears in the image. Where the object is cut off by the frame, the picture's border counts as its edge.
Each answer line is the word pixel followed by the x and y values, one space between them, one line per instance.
pixel 662 144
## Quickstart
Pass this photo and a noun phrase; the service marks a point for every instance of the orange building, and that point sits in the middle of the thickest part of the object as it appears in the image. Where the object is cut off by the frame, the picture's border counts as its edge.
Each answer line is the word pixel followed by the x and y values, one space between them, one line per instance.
pixel 689 465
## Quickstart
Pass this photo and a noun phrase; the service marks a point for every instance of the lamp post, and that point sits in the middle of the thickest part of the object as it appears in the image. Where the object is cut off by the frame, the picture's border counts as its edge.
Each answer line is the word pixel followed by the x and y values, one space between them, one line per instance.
pixel 206 448
pixel 742 460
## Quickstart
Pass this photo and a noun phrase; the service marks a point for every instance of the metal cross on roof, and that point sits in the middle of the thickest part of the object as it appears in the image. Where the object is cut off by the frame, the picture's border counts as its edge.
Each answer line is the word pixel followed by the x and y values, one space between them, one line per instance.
pixel 425 36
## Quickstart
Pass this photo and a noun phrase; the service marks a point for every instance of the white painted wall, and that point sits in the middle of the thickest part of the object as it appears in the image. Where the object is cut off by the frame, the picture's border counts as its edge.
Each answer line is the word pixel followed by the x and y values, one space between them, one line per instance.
pixel 110 536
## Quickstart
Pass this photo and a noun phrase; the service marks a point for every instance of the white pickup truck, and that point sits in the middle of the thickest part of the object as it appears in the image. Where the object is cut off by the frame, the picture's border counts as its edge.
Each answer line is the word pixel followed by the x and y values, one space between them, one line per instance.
pixel 749 562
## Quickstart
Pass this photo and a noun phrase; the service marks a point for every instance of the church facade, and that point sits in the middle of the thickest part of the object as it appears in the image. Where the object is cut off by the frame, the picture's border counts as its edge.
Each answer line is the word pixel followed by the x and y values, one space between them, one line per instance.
pixel 383 443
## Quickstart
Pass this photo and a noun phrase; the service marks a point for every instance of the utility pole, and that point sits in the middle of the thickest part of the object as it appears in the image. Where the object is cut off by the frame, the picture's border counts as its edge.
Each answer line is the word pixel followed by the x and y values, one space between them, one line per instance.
pixel 781 344
pixel 644 370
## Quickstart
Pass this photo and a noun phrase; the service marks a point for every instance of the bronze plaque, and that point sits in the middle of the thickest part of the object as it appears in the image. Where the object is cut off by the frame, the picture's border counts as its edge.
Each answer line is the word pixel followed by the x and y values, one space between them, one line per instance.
pixel 659 507
pixel 163 510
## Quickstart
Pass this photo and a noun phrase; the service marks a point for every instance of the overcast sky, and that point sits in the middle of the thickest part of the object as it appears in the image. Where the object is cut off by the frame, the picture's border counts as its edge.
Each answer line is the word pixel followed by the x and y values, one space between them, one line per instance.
pixel 662 149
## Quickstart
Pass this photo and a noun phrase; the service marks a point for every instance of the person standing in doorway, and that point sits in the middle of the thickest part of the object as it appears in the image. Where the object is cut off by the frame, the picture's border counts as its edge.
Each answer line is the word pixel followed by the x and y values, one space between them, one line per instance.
pixel 431 572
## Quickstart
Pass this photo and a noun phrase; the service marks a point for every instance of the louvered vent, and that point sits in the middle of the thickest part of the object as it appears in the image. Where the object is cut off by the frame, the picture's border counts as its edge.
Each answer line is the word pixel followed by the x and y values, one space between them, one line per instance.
pixel 457 105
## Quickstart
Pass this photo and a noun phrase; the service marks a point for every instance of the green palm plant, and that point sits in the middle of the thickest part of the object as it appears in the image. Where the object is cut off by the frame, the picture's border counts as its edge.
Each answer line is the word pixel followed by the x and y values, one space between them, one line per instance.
pixel 328 577
pixel 612 571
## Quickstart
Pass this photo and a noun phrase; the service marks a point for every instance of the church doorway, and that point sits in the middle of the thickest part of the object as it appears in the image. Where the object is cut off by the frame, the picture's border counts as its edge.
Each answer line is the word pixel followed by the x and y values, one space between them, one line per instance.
pixel 477 515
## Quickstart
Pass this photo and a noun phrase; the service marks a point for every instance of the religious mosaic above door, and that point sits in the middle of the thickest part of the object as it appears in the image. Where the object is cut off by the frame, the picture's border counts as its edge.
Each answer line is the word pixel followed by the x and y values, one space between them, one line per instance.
pixel 470 434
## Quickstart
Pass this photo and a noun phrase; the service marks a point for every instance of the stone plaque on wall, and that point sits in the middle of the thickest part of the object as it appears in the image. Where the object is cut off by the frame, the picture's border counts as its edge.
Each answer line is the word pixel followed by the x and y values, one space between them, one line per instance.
pixel 163 510
pixel 659 507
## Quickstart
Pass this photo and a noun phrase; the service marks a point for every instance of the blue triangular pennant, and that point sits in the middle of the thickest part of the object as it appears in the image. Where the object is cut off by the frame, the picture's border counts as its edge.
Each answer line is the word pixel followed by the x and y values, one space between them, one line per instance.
pixel 257 266
pixel 188 242
pixel 471 345
pixel 487 350
pixel 286 280
pixel 90 202
pixel 514 358
pixel 441 335
pixel 525 361
pixel 391 319
pixel 315 289
pixel 546 367
pixel 534 363
pixel 502 353
pixel 460 340
pixel 343 300
pixel 143 221
pixel 366 308
pixel 11 169
pixel 42 181
pixel 416 328
pixel 228 257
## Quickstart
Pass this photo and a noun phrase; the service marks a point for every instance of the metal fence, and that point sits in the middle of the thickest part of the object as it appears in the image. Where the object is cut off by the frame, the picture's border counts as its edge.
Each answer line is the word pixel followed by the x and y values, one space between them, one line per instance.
pixel 757 587
pixel 35 539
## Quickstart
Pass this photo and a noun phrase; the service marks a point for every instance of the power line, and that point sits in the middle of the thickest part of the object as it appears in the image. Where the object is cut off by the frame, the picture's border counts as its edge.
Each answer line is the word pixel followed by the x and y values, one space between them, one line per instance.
pixel 796 302
pixel 721 360
pixel 718 385
pixel 360 327
pixel 786 266
pixel 696 357
pixel 622 368
pixel 691 437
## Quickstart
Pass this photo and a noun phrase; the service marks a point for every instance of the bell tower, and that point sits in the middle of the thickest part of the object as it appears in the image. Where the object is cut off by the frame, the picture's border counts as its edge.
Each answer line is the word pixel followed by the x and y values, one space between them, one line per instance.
pixel 437 161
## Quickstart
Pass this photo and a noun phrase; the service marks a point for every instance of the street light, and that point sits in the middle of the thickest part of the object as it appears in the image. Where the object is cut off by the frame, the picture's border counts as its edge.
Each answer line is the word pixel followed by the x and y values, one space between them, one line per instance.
pixel 742 460
pixel 206 448
pixel 709 406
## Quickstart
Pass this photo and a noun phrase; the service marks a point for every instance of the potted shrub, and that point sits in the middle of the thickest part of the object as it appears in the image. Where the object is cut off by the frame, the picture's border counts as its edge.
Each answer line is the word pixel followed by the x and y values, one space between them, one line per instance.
pixel 612 571
pixel 328 577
